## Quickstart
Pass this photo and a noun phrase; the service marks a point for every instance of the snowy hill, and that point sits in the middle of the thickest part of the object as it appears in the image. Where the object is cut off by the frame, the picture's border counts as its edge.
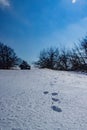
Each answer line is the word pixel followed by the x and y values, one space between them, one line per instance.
pixel 42 100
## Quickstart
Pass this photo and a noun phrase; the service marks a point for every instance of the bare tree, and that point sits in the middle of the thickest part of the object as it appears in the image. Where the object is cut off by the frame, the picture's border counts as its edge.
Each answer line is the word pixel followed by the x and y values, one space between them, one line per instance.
pixel 63 60
pixel 8 57
pixel 75 60
pixel 47 58
pixel 84 46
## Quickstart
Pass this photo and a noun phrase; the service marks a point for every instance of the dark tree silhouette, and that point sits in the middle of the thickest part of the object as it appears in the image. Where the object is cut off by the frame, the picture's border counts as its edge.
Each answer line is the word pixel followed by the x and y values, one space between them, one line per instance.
pixel 47 58
pixel 8 57
pixel 24 65
pixel 83 49
pixel 84 46
pixel 63 60
pixel 75 60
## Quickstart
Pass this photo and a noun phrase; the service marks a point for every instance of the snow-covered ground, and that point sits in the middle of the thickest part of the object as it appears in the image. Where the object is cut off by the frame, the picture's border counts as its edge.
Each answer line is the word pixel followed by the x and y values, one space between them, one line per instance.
pixel 42 100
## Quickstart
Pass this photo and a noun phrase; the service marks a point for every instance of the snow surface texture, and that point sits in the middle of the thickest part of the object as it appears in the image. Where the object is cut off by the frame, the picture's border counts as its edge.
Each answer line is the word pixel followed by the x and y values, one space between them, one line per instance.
pixel 42 100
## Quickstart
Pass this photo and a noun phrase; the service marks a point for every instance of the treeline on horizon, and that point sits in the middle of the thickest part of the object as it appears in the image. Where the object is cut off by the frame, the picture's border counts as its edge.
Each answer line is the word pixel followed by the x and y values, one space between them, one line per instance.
pixel 64 59
pixel 52 58
pixel 9 59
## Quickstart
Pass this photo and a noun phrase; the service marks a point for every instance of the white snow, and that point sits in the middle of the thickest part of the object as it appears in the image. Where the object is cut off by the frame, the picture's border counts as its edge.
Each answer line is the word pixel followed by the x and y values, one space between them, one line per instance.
pixel 42 100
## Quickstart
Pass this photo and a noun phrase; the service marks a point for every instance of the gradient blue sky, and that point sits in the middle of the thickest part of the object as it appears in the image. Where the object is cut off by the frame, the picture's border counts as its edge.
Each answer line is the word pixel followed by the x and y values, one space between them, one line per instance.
pixel 28 26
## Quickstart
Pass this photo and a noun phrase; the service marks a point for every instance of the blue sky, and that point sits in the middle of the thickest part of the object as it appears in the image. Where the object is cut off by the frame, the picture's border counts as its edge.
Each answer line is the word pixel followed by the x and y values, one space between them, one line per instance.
pixel 28 26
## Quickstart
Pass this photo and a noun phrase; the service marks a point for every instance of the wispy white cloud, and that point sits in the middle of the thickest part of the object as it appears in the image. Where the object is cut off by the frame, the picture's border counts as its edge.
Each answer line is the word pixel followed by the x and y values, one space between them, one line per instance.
pixel 73 1
pixel 4 3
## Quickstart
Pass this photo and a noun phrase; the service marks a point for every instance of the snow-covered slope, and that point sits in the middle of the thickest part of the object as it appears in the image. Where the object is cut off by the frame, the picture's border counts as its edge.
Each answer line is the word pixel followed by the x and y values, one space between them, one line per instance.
pixel 42 100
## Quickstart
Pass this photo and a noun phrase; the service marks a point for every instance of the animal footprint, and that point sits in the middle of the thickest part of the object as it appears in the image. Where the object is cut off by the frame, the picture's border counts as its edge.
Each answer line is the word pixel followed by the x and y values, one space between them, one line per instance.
pixel 54 94
pixel 55 99
pixel 57 109
pixel 45 92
